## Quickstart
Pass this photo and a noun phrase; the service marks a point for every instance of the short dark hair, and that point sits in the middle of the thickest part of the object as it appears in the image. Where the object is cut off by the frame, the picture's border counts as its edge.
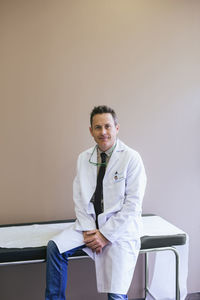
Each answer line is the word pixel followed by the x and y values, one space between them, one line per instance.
pixel 103 109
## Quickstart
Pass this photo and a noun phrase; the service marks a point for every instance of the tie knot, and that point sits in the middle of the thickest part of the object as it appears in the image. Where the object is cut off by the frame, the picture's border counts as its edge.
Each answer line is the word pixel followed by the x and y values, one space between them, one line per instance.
pixel 103 157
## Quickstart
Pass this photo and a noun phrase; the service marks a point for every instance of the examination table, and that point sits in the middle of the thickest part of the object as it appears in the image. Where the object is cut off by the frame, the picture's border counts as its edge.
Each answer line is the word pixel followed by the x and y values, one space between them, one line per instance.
pixel 26 243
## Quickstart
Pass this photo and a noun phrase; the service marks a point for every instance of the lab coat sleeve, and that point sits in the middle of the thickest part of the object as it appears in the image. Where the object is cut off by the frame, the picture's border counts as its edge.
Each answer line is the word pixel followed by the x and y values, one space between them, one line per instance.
pixel 84 221
pixel 117 225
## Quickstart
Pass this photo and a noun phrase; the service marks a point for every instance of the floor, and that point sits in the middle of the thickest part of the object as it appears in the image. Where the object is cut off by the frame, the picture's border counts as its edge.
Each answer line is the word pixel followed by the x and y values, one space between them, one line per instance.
pixel 193 296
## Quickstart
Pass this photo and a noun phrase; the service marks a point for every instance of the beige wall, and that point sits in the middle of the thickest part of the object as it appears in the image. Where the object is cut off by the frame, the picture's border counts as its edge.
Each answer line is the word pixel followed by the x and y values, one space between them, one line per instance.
pixel 59 59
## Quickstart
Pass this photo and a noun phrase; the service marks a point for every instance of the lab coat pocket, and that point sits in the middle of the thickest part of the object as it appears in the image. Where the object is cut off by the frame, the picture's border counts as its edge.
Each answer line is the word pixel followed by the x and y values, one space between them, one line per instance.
pixel 114 191
pixel 119 185
pixel 118 177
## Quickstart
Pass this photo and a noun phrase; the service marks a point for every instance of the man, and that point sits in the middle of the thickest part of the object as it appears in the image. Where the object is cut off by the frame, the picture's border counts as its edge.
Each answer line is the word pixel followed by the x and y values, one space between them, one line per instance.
pixel 108 192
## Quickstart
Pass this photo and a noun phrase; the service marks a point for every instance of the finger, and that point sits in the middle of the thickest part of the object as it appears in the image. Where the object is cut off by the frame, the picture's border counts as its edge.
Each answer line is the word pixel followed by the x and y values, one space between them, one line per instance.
pixel 90 245
pixel 98 250
pixel 91 232
pixel 92 238
pixel 93 245
pixel 88 239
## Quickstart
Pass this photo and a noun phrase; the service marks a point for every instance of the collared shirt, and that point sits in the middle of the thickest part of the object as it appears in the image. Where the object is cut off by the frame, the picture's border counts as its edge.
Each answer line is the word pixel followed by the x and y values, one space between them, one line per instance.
pixel 108 153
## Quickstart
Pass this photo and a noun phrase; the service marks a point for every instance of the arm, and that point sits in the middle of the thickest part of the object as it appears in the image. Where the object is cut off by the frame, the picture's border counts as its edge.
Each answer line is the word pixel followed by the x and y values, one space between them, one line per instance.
pixel 84 221
pixel 116 226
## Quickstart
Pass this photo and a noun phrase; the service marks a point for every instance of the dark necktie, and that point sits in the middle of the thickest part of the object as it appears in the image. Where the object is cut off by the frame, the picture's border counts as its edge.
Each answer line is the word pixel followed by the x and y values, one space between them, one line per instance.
pixel 98 196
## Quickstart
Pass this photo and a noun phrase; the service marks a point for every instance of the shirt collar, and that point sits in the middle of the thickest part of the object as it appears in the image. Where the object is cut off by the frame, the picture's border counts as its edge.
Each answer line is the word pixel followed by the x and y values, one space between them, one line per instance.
pixel 109 151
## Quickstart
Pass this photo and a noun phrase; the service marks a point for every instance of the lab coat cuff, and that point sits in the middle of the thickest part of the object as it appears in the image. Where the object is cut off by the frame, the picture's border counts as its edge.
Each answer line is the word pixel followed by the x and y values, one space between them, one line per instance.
pixel 109 237
pixel 85 226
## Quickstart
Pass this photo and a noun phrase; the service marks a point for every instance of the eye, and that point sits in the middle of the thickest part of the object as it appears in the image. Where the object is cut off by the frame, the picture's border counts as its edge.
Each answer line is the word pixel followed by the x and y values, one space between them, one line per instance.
pixel 108 126
pixel 97 127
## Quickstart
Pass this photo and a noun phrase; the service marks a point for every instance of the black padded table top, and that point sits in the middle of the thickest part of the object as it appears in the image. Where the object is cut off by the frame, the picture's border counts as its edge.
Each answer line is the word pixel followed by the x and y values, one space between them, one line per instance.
pixel 31 254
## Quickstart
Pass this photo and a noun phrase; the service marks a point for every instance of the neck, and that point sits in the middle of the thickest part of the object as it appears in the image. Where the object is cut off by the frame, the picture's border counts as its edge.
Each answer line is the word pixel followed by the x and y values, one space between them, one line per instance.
pixel 110 150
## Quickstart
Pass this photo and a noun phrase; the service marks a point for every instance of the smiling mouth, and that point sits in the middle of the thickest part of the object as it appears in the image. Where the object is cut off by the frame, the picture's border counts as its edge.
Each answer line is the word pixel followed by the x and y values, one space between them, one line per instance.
pixel 103 138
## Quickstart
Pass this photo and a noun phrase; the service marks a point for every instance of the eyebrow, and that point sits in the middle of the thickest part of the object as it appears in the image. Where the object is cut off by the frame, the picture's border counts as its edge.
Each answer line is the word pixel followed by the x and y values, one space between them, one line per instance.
pixel 99 125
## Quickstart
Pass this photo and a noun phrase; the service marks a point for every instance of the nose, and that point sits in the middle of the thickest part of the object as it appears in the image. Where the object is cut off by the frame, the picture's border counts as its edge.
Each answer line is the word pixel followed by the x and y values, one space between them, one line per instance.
pixel 103 130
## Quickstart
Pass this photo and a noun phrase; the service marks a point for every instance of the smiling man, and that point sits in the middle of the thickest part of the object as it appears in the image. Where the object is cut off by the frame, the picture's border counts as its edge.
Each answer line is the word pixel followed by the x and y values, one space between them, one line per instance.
pixel 108 192
pixel 104 127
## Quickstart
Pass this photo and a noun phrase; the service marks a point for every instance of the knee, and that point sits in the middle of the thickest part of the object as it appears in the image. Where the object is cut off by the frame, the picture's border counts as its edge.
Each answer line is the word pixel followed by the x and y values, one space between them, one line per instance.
pixel 51 248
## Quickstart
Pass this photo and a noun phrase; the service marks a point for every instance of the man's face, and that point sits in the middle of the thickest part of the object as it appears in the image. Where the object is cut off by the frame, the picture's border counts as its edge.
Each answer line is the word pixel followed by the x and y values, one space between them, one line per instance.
pixel 104 130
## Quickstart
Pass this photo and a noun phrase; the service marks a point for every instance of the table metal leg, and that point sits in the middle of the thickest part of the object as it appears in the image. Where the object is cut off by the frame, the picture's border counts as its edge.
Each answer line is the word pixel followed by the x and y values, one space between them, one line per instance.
pixel 146 251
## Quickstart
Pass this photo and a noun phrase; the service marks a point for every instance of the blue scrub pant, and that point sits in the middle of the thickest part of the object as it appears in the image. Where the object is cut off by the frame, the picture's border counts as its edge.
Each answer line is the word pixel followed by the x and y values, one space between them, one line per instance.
pixel 56 274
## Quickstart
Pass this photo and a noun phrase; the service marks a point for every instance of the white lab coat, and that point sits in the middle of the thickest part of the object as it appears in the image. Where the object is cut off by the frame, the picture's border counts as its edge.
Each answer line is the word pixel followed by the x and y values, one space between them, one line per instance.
pixel 123 189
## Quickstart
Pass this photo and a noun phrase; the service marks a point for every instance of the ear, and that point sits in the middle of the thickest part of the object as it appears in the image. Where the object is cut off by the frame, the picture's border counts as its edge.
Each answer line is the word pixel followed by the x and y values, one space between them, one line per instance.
pixel 90 128
pixel 117 127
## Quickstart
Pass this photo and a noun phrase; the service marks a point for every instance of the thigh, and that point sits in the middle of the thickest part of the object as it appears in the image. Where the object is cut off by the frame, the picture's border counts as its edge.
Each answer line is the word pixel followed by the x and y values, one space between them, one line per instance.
pixel 112 296
pixel 54 254
pixel 72 251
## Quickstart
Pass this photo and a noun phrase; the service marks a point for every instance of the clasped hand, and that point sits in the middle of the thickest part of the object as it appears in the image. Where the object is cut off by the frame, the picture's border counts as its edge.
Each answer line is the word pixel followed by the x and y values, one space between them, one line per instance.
pixel 95 240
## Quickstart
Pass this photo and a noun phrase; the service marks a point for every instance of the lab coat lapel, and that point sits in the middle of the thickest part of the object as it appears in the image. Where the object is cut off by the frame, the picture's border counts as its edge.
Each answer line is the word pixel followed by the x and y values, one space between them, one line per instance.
pixel 91 168
pixel 91 173
pixel 114 157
